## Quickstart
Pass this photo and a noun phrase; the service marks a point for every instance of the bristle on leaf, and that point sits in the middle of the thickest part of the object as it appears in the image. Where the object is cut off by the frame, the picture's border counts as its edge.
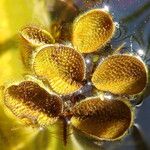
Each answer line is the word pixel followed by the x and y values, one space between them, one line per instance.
pixel 102 119
pixel 33 104
pixel 62 66
pixel 92 30
pixel 32 37
pixel 121 74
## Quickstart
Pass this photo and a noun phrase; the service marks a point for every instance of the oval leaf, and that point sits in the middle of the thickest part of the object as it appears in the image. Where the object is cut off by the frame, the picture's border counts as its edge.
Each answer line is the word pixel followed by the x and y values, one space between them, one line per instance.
pixel 36 36
pixel 121 74
pixel 102 119
pixel 30 102
pixel 62 66
pixel 32 37
pixel 92 30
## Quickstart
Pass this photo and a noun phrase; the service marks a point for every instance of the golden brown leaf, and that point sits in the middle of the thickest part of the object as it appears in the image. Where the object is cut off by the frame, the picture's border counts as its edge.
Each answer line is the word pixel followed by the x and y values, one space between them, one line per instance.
pixel 121 74
pixel 102 119
pixel 62 66
pixel 92 30
pixel 32 103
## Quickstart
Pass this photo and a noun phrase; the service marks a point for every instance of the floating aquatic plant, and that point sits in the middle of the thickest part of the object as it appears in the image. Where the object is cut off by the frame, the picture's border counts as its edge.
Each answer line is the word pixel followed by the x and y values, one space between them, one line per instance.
pixel 62 71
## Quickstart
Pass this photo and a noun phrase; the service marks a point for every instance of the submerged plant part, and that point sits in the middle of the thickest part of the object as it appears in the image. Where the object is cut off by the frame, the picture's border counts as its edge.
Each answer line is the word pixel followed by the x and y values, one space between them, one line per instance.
pixel 63 69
